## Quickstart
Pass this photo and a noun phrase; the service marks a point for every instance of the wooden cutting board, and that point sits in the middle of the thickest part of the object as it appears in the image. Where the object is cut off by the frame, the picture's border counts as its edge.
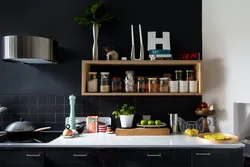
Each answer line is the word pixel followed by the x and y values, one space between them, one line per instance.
pixel 143 132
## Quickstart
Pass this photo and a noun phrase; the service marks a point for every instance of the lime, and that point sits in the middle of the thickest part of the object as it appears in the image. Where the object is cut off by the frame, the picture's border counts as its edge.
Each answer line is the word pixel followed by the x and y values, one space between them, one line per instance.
pixel 144 122
pixel 158 122
pixel 151 122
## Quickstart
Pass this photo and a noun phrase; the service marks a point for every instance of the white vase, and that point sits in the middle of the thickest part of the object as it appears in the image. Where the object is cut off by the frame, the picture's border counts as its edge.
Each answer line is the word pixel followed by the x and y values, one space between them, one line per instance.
pixel 126 121
pixel 95 43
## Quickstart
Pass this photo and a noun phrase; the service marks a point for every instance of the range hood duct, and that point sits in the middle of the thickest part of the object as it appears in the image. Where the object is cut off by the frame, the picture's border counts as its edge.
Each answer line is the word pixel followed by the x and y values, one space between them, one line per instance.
pixel 29 49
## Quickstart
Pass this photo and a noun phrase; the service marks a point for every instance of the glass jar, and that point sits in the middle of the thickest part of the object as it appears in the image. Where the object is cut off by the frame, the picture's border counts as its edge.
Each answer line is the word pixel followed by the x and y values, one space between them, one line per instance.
pixel 152 85
pixel 116 84
pixel 164 84
pixel 92 82
pixel 190 76
pixel 129 81
pixel 105 85
pixel 178 75
pixel 167 75
pixel 141 84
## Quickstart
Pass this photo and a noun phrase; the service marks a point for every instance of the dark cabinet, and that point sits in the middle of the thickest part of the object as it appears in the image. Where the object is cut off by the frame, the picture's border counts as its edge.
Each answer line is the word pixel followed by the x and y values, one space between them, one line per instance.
pixel 17 158
pixel 75 158
pixel 151 158
pixel 217 158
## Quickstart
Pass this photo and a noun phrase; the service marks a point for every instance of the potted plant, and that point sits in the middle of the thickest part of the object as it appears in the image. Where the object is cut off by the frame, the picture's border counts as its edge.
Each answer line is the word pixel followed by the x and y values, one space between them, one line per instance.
pixel 126 115
pixel 94 16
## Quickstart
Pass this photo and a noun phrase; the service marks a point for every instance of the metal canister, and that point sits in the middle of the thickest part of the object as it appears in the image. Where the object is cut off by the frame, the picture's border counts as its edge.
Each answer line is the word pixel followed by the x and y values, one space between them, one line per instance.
pixel 174 122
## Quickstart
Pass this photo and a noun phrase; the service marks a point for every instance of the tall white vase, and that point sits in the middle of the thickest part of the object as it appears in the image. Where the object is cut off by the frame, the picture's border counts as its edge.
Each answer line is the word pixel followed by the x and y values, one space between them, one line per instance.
pixel 95 43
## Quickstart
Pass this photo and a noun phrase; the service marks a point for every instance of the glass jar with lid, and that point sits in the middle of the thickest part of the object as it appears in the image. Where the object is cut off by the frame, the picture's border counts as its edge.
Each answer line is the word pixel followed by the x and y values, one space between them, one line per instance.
pixel 190 75
pixel 141 84
pixel 116 85
pixel 178 75
pixel 152 85
pixel 164 85
pixel 92 82
pixel 129 81
pixel 105 85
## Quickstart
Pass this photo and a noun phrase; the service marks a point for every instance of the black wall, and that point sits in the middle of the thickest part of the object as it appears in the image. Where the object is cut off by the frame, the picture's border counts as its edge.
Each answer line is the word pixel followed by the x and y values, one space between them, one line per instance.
pixel 53 18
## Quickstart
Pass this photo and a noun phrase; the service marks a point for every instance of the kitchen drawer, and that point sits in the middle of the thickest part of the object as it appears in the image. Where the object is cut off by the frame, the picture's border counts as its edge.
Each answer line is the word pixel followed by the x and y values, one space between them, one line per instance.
pixel 159 158
pixel 217 158
pixel 25 158
pixel 88 158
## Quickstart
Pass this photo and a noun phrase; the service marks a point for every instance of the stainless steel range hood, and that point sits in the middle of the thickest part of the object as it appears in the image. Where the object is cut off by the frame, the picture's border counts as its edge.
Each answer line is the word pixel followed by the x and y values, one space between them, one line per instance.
pixel 29 49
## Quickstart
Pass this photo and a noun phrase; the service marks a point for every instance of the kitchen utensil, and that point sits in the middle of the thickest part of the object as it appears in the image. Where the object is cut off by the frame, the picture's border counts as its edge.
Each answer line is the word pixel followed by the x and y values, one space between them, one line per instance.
pixel 22 130
pixel 72 118
pixel 174 122
pixel 190 125
pixel 205 114
pixel 234 139
pixel 152 126
pixel 143 132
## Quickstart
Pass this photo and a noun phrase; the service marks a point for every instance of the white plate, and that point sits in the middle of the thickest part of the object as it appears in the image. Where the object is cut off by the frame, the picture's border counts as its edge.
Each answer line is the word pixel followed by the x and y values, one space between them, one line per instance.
pixel 66 137
pixel 163 124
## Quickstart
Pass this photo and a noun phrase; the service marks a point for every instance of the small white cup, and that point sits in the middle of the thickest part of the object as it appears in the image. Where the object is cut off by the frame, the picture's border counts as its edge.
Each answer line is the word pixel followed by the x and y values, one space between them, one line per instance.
pixel 183 86
pixel 146 117
pixel 174 86
pixel 193 86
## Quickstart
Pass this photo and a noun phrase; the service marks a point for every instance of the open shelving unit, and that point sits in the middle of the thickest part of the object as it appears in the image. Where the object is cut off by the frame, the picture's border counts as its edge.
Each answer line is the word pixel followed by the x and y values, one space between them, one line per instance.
pixel 87 64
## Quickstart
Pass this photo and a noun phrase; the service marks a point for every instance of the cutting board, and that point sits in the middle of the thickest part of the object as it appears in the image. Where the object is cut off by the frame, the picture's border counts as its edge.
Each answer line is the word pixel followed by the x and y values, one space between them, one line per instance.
pixel 143 132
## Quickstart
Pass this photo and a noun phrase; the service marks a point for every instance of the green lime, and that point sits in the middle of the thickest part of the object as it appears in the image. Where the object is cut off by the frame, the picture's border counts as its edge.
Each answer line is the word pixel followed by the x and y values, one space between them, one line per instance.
pixel 144 122
pixel 158 122
pixel 151 122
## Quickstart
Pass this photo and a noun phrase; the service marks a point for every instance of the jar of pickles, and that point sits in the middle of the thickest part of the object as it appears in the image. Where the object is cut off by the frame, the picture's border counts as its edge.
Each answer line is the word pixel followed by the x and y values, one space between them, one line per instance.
pixel 178 75
pixel 105 85
pixel 92 82
pixel 141 84
pixel 190 75
pixel 116 85
pixel 152 85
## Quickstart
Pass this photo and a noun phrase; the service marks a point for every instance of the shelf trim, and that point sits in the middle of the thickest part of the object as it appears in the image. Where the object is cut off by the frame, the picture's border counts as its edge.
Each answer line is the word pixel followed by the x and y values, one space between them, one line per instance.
pixel 142 94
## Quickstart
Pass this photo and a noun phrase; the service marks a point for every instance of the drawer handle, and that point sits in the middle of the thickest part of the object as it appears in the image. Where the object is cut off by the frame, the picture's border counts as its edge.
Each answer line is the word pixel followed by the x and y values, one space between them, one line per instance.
pixel 203 154
pixel 80 155
pixel 154 155
pixel 33 155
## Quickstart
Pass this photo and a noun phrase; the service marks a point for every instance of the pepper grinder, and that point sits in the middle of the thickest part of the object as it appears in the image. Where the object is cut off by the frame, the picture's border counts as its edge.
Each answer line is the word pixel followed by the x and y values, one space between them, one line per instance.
pixel 72 118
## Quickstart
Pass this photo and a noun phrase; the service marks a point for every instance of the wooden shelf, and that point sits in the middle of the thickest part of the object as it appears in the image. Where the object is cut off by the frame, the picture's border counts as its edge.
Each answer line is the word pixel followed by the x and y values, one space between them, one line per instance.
pixel 143 62
pixel 87 64
pixel 141 94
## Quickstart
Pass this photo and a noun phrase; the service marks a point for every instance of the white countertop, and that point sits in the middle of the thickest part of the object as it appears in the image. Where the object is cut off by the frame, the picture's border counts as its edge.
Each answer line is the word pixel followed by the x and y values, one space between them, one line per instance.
pixel 102 140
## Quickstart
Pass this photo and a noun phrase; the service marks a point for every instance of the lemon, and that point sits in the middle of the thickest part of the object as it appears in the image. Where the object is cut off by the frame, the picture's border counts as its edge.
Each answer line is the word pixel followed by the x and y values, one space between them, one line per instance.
pixel 189 132
pixel 196 132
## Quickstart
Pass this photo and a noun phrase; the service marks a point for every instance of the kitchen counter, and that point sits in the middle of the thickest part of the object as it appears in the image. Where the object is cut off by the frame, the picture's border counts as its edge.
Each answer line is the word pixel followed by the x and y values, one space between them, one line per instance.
pixel 100 140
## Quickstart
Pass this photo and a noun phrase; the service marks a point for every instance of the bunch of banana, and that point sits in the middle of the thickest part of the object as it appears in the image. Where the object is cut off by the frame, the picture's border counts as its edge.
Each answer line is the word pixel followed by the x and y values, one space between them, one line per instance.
pixel 191 132
pixel 217 136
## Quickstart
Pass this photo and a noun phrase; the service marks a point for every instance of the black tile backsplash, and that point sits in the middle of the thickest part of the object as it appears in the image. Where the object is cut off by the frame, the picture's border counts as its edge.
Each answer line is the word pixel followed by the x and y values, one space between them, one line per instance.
pixel 52 110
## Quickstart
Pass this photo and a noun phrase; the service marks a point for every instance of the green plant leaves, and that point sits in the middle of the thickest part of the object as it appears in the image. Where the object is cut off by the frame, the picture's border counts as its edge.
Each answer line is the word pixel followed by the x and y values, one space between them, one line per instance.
pixel 95 6
pixel 125 110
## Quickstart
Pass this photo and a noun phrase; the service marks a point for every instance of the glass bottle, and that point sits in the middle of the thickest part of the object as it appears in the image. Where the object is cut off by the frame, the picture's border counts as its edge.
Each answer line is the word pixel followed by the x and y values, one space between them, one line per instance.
pixel 152 85
pixel 92 82
pixel 141 84
pixel 116 84
pixel 178 75
pixel 190 76
pixel 105 85
pixel 129 81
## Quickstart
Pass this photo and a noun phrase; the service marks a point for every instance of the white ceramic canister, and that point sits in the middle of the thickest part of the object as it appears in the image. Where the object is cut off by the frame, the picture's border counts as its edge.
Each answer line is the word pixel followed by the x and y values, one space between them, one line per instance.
pixel 193 86
pixel 183 86
pixel 173 86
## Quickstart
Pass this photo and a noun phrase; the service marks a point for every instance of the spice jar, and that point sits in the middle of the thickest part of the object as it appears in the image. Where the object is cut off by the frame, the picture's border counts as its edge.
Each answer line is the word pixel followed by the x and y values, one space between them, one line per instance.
pixel 190 75
pixel 164 84
pixel 105 85
pixel 178 75
pixel 141 84
pixel 116 84
pixel 152 85
pixel 92 82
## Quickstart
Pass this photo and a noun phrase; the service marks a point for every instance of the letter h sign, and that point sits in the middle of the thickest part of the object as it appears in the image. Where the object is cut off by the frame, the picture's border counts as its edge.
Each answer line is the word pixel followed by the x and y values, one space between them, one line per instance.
pixel 152 41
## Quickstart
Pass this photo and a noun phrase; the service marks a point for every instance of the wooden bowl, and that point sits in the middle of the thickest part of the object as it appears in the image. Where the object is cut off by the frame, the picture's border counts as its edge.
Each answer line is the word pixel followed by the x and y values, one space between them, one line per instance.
pixel 234 139
pixel 205 113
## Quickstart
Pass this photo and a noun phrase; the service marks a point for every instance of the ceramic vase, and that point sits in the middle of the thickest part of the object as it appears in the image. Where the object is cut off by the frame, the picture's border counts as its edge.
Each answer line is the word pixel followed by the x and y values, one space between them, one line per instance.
pixel 95 43
pixel 126 121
